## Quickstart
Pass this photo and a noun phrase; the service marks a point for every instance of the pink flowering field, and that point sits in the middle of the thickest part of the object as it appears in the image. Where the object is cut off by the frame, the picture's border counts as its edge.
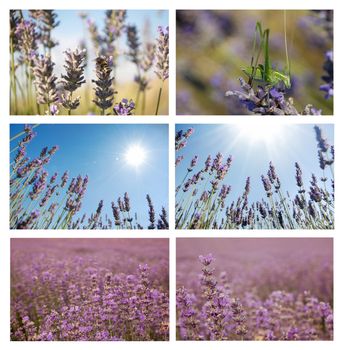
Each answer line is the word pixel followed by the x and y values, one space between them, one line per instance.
pixel 254 289
pixel 89 289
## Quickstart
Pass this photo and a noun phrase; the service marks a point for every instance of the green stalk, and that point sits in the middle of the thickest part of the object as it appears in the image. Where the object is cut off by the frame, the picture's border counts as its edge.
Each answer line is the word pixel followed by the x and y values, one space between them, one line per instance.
pixel 212 214
pixel 21 90
pixel 70 99
pixel 184 179
pixel 61 204
pixel 59 218
pixel 139 87
pixel 282 199
pixel 67 220
pixel 13 80
pixel 159 98
pixel 276 220
pixel 143 102
pixel 129 219
pixel 30 89
pixel 27 90
pixel 184 213
pixel 137 98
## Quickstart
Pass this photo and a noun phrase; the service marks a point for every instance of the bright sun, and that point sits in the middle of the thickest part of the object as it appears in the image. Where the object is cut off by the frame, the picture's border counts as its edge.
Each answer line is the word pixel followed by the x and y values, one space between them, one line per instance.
pixel 254 133
pixel 135 155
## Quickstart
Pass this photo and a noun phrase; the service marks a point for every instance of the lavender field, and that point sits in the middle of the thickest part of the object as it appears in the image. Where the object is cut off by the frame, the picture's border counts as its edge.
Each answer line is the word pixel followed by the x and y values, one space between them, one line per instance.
pixel 254 289
pixel 249 176
pixel 265 62
pixel 89 289
pixel 95 176
pixel 115 62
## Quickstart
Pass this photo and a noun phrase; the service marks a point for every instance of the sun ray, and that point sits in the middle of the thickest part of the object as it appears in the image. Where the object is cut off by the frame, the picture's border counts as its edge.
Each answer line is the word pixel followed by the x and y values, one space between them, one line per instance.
pixel 255 133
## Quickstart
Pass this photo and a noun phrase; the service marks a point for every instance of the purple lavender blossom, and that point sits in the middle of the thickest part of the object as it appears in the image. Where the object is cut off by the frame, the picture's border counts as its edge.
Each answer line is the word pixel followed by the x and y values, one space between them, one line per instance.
pixel 26 36
pixel 162 54
pixel 124 107
pixel 328 77
pixel 206 259
pixel 268 100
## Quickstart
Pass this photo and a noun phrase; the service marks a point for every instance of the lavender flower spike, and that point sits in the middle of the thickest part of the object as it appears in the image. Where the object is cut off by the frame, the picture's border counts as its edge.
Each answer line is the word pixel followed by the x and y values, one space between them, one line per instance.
pixel 162 54
pixel 74 77
pixel 133 44
pixel 115 23
pixel 26 37
pixel 104 93
pixel 151 213
pixel 45 80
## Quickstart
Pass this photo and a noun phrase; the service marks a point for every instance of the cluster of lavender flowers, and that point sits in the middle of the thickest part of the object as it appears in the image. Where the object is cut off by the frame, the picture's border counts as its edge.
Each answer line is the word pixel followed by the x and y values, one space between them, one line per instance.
pixel 31 43
pixel 210 310
pixel 268 100
pixel 38 201
pixel 202 197
pixel 85 292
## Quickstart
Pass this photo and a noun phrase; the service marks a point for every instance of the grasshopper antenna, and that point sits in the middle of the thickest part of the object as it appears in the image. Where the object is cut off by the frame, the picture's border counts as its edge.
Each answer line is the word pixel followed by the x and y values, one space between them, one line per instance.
pixel 258 30
pixel 266 71
pixel 253 58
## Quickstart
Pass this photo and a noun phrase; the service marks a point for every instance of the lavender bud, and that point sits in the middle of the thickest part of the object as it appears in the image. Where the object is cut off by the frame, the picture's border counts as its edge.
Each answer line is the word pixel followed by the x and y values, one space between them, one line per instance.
pixel 162 54
pixel 26 36
pixel 133 44
pixel 74 77
pixel 151 213
pixel 104 93
pixel 45 80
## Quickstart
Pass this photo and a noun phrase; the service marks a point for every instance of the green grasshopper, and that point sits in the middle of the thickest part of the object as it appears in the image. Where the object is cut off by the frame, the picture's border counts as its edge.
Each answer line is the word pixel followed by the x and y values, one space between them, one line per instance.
pixel 264 72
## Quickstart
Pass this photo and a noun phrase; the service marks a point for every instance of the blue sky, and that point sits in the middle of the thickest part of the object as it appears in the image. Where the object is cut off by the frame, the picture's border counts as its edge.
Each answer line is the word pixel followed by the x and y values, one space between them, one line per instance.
pixel 72 30
pixel 280 143
pixel 99 151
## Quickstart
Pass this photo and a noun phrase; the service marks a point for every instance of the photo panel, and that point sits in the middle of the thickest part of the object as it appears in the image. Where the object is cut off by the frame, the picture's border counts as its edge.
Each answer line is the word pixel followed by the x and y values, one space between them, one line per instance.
pixel 89 176
pixel 254 176
pixel 94 289
pixel 254 289
pixel 115 62
pixel 265 62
